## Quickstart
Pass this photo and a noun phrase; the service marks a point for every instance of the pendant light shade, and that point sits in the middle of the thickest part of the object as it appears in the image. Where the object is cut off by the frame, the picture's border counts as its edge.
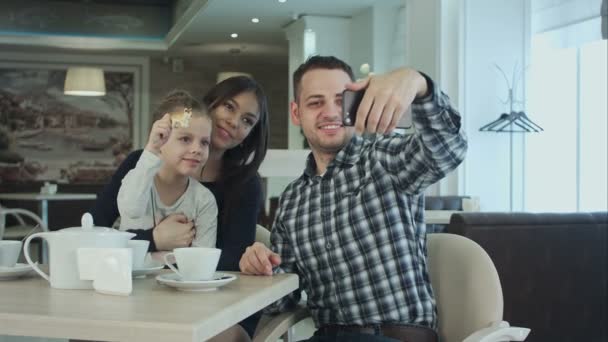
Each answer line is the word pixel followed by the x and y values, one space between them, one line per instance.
pixel 227 74
pixel 84 81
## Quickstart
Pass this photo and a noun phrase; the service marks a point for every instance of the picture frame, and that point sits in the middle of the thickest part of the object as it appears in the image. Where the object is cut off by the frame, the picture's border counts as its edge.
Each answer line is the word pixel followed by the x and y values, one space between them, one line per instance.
pixel 46 135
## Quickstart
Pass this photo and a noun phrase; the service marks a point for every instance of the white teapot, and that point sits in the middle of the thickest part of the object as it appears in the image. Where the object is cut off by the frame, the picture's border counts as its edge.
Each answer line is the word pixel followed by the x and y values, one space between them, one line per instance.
pixel 63 251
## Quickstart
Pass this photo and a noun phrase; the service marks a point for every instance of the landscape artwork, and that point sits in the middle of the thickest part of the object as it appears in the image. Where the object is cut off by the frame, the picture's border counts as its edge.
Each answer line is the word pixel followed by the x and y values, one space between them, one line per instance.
pixel 48 136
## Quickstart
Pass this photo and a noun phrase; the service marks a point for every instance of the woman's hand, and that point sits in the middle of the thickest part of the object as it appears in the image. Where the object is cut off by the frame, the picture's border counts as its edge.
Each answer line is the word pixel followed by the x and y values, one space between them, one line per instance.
pixel 174 231
pixel 258 260
pixel 159 134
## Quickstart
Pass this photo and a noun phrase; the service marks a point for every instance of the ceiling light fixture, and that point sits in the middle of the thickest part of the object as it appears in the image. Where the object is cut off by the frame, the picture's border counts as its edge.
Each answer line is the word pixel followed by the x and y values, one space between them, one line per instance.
pixel 84 81
pixel 222 75
pixel 234 35
pixel 282 1
pixel 255 20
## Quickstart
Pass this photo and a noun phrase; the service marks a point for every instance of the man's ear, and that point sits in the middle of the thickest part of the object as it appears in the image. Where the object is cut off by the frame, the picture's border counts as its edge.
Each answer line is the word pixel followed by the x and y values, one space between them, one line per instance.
pixel 294 113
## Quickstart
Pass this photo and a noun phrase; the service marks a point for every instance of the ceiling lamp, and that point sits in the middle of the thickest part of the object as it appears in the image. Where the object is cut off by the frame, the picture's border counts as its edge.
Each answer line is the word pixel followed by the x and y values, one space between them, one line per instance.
pixel 222 75
pixel 84 81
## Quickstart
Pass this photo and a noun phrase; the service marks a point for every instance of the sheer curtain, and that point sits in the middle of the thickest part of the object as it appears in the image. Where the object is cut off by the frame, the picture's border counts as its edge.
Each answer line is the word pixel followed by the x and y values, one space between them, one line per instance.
pixel 566 166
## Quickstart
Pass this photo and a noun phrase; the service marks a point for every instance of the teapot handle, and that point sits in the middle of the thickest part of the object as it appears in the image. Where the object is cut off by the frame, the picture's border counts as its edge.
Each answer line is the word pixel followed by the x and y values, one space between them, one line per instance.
pixel 26 253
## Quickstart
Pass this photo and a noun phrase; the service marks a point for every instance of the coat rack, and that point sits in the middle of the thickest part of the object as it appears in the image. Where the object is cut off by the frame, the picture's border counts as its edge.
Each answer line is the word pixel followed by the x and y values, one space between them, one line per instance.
pixel 512 122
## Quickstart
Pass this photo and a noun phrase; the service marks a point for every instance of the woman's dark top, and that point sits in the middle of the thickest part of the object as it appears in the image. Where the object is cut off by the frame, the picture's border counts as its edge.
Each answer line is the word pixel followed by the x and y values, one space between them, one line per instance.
pixel 234 233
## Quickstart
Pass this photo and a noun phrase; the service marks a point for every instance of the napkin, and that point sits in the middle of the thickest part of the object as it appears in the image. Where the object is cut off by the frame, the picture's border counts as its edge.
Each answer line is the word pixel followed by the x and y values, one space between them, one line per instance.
pixel 109 268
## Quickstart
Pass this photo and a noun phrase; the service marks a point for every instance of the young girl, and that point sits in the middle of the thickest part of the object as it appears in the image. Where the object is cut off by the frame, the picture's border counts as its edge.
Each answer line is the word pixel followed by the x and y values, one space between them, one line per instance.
pixel 162 181
pixel 239 140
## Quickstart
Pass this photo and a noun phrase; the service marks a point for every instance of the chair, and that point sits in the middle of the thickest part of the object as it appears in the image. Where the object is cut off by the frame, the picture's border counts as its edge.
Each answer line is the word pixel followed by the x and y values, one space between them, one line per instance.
pixel 467 290
pixel 271 328
pixel 262 235
pixel 543 259
pixel 439 209
pixel 21 229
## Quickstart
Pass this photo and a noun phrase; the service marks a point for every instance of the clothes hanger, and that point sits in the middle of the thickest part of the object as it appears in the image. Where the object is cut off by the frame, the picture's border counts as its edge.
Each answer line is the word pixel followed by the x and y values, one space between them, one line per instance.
pixel 512 122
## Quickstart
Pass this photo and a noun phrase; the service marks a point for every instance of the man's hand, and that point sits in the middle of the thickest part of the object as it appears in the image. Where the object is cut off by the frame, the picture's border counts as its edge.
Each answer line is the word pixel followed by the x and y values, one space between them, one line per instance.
pixel 159 134
pixel 258 260
pixel 387 98
pixel 174 231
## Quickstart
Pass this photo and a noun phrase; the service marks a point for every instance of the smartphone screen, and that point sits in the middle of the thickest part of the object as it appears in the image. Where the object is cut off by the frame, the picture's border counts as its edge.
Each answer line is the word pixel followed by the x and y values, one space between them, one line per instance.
pixel 350 104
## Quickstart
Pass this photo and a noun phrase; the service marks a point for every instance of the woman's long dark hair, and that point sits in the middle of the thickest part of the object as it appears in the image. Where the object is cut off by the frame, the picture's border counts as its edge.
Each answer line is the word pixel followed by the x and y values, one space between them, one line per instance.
pixel 241 163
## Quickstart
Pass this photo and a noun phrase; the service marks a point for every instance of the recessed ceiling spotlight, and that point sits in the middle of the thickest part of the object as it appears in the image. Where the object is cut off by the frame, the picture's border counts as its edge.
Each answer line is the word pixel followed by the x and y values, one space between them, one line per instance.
pixel 255 20
pixel 234 35
pixel 282 1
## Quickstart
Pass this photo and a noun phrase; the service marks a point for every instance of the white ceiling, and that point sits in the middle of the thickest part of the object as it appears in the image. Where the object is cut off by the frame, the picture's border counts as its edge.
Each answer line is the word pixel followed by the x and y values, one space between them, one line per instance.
pixel 205 28
pixel 208 32
pixel 219 18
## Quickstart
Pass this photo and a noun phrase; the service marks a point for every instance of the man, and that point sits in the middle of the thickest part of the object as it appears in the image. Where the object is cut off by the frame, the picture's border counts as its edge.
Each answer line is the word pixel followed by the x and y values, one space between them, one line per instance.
pixel 352 226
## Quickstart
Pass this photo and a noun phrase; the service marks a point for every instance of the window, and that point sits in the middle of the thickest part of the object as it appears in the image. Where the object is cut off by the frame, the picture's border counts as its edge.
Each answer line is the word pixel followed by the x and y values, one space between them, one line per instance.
pixel 593 152
pixel 566 166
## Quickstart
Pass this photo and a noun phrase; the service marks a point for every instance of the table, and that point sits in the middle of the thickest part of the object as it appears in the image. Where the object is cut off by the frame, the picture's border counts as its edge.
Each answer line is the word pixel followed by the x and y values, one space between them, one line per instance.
pixel 29 307
pixel 438 216
pixel 44 200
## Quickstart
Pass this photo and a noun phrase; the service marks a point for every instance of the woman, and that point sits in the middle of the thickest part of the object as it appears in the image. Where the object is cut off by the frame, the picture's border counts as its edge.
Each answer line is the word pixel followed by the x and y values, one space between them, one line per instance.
pixel 239 140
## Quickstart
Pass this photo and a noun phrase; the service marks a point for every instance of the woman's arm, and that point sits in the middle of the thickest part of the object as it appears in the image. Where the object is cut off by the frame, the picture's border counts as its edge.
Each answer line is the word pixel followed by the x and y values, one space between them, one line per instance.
pixel 105 209
pixel 237 232
pixel 205 221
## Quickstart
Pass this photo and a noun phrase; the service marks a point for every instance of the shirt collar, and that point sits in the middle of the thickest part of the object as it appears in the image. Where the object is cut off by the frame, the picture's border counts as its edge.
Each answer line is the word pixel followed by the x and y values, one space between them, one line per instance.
pixel 347 156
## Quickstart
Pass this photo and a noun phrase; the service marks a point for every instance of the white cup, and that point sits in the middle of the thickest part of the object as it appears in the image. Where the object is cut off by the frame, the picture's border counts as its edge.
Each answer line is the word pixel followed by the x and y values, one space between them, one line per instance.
pixel 48 189
pixel 9 252
pixel 140 250
pixel 52 189
pixel 194 263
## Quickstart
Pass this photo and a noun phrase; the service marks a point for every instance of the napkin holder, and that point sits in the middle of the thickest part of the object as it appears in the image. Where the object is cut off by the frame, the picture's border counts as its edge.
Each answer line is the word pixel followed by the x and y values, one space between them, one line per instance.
pixel 110 269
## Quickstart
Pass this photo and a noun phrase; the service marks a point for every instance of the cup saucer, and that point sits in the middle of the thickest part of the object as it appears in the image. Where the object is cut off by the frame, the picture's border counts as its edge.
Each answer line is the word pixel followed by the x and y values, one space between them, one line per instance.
pixel 16 271
pixel 150 267
pixel 175 281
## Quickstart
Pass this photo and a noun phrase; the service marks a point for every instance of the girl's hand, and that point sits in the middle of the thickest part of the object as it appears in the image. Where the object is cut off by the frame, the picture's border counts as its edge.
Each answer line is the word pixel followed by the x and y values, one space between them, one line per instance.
pixel 159 134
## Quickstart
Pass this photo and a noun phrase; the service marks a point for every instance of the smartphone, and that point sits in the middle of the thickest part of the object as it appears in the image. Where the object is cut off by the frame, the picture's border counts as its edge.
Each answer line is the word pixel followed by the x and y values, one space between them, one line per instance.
pixel 350 104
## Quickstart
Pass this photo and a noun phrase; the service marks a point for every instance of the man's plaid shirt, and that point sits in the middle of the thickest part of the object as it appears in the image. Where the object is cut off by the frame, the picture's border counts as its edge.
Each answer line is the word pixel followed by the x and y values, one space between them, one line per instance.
pixel 356 235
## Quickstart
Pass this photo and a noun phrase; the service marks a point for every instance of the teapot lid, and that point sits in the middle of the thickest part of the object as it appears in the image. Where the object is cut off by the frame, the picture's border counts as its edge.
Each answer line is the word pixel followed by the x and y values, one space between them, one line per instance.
pixel 87 226
pixel 91 230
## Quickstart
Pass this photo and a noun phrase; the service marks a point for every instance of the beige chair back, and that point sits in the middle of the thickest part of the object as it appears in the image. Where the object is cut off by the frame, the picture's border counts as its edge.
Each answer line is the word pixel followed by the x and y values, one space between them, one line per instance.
pixel 466 286
pixel 262 235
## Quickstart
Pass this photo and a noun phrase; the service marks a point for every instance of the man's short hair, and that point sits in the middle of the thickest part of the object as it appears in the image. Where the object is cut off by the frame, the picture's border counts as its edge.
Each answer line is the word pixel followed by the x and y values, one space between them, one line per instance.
pixel 319 62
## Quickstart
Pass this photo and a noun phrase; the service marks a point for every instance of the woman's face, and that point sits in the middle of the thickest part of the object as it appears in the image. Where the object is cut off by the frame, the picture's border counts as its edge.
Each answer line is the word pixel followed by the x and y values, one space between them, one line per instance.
pixel 233 120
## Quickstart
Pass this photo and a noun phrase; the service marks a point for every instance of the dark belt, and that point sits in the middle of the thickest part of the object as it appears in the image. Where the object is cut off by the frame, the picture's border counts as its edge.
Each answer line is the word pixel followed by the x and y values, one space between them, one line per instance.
pixel 399 332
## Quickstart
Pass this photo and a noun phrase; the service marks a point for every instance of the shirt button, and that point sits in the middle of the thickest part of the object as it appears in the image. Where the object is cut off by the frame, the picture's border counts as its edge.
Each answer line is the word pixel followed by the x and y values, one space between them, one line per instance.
pixel 328 245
